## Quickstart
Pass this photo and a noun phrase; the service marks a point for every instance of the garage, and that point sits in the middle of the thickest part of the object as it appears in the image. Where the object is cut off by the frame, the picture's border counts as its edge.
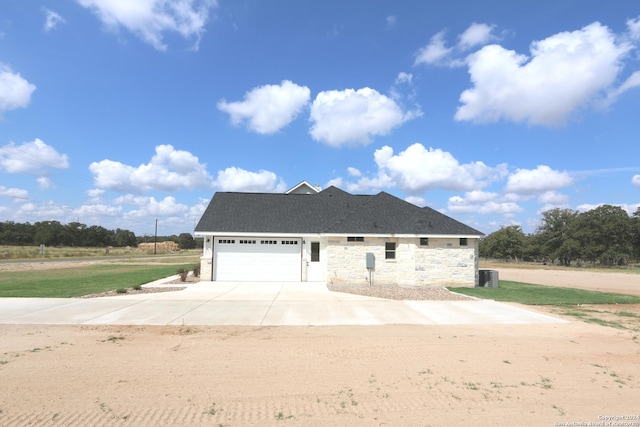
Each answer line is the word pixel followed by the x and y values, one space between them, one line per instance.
pixel 257 259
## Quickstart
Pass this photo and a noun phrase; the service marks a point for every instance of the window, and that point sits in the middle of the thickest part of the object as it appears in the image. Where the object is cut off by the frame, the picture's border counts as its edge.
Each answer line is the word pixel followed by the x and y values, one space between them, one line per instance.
pixel 289 242
pixel 247 242
pixel 389 250
pixel 268 242
pixel 424 241
pixel 226 241
pixel 315 251
pixel 463 241
pixel 355 239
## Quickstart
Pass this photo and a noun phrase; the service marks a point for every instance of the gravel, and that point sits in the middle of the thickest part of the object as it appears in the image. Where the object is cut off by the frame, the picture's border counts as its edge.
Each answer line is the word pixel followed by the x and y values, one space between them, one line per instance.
pixel 401 292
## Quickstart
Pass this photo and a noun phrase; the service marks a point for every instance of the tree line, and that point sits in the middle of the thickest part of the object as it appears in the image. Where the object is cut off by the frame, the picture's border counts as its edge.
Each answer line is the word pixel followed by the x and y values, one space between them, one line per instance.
pixel 53 233
pixel 606 235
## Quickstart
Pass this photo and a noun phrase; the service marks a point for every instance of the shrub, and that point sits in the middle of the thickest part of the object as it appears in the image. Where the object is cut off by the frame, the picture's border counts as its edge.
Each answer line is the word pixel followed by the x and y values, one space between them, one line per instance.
pixel 121 290
pixel 196 270
pixel 137 287
pixel 183 274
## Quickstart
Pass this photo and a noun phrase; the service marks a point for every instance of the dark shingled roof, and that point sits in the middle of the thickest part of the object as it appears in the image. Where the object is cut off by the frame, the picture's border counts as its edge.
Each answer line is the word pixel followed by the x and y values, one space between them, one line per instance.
pixel 331 211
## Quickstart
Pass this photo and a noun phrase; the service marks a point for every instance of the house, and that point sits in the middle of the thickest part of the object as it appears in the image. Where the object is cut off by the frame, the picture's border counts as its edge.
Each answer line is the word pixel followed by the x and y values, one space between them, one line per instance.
pixel 334 237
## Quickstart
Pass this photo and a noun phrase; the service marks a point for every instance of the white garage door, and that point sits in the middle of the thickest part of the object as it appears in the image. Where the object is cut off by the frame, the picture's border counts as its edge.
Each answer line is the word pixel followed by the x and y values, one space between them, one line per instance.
pixel 257 259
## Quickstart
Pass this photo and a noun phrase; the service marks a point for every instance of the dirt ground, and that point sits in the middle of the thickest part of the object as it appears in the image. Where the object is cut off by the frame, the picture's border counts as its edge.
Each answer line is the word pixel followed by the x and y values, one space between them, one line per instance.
pixel 397 375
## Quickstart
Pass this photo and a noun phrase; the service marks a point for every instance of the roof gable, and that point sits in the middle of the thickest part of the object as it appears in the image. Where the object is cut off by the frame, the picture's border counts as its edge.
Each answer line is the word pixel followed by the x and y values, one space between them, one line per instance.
pixel 303 188
pixel 330 211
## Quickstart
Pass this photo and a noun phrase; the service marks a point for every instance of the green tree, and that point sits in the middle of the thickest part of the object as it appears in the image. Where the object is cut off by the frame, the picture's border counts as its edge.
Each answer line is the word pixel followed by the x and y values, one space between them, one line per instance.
pixel 186 241
pixel 124 238
pixel 554 235
pixel 76 233
pixel 507 243
pixel 604 234
pixel 635 234
pixel 12 233
pixel 97 236
pixel 50 233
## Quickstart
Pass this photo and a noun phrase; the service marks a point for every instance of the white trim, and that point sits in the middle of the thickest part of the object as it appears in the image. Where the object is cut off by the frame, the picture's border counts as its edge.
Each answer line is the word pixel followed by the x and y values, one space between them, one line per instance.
pixel 236 234
pixel 390 236
pixel 313 188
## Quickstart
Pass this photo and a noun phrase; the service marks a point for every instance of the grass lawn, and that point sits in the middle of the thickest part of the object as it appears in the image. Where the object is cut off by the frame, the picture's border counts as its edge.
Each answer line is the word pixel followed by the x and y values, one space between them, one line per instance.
pixel 526 293
pixel 79 281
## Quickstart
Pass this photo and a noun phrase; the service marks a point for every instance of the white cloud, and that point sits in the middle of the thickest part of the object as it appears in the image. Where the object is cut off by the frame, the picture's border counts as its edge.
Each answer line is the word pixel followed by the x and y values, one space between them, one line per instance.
pixel 96 213
pixel 477 196
pixel 15 91
pixel 150 206
pixel 33 212
pixel 31 157
pixel 15 193
pixel 434 52
pixel 391 21
pixel 168 170
pixel 44 183
pixel 269 108
pixel 353 171
pixel 563 73
pixel 631 82
pixel 418 169
pixel 353 117
pixel 418 201
pixel 336 182
pixel 95 195
pixel 536 181
pixel 236 179
pixel 403 77
pixel 150 19
pixel 475 35
pixel 634 28
pixel 553 198
pixel 636 181
pixel 467 205
pixel 52 19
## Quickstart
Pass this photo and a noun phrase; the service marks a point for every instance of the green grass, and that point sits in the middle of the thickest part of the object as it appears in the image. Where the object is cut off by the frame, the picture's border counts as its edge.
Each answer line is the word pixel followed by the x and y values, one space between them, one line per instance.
pixel 526 293
pixel 78 281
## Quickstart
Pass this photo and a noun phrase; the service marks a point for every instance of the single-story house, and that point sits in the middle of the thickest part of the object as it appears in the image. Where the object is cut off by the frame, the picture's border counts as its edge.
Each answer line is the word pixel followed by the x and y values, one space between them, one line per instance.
pixel 334 237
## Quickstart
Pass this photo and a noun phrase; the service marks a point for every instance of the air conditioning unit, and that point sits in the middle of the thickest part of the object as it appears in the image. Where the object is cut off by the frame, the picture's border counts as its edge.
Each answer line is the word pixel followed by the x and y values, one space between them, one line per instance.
pixel 488 279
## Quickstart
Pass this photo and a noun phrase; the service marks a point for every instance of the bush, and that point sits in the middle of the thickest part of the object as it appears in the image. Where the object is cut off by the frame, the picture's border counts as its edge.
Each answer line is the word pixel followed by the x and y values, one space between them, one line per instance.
pixel 121 290
pixel 137 287
pixel 196 270
pixel 183 274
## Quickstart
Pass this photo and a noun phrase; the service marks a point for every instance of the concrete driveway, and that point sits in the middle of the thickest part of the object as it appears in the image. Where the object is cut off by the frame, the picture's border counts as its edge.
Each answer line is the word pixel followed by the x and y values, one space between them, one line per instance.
pixel 269 304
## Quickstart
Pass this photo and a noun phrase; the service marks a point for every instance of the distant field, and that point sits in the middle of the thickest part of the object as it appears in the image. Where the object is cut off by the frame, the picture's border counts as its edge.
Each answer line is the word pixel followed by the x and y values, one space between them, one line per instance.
pixel 495 265
pixel 33 252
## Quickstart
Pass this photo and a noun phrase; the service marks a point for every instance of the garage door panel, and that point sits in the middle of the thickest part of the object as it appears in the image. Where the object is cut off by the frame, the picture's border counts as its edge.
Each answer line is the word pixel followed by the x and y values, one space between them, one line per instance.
pixel 258 259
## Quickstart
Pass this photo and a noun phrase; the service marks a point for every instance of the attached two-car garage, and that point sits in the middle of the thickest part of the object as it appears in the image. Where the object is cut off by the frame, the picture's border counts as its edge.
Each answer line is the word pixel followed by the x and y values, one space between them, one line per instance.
pixel 257 259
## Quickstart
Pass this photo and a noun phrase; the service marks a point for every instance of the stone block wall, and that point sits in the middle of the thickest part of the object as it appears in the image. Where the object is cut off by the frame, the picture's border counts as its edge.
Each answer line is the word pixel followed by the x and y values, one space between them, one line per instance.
pixel 442 262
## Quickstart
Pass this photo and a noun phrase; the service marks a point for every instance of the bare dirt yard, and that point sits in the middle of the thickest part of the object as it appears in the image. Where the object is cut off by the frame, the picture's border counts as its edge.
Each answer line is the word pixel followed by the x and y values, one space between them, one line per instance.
pixel 395 375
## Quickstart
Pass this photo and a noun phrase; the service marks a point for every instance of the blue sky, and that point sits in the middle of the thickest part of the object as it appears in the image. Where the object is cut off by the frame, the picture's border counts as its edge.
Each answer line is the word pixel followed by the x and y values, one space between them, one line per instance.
pixel 118 113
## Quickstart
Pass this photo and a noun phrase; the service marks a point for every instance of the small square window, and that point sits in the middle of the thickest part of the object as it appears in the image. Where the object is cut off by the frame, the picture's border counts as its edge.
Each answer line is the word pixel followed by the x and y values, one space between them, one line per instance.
pixel 463 241
pixel 390 250
pixel 424 241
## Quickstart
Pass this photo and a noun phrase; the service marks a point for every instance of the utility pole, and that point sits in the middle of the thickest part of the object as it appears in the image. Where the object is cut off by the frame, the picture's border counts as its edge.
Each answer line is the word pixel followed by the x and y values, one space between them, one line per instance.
pixel 155 238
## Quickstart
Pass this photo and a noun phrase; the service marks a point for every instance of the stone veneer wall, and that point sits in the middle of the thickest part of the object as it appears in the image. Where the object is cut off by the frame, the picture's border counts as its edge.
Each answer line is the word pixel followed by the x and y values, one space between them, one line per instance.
pixel 442 262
